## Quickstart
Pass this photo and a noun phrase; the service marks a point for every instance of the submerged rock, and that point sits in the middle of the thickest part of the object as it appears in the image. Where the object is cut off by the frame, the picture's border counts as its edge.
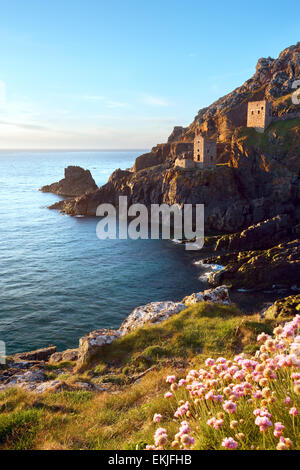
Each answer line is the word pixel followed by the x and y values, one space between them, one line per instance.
pixel 76 182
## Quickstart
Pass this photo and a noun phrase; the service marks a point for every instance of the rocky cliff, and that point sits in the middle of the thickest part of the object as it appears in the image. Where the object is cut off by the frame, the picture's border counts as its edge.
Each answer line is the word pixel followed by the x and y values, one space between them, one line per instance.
pixel 257 176
pixel 259 181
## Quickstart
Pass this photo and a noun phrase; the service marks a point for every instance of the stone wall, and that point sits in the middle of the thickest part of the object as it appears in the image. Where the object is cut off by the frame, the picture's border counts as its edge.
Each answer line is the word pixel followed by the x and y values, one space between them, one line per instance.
pixel 259 114
pixel 210 153
pixel 205 152
pixel 185 163
pixel 161 153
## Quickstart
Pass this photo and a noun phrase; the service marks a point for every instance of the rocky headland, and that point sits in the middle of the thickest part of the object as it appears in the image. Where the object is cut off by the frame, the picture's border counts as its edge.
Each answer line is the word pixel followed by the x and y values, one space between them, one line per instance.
pixel 76 182
pixel 252 196
pixel 252 222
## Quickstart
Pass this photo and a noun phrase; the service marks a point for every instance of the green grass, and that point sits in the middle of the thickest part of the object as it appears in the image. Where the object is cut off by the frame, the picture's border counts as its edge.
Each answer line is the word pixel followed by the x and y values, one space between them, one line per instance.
pixel 285 131
pixel 18 429
pixel 203 327
pixel 122 417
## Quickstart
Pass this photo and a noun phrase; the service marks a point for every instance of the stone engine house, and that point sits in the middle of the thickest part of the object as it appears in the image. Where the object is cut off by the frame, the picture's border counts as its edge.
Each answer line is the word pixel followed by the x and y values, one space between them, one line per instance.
pixel 205 151
pixel 259 115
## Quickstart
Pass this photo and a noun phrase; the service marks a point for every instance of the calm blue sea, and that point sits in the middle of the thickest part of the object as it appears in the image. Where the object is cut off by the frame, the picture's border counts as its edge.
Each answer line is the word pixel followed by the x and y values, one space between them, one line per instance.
pixel 57 280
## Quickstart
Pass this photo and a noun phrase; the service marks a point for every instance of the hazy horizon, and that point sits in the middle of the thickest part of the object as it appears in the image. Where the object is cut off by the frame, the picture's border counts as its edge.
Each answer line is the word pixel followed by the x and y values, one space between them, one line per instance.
pixel 73 150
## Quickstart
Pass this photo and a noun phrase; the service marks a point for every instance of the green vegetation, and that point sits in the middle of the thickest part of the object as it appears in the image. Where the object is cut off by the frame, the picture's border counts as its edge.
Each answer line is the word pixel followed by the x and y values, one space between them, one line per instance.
pixel 284 134
pixel 122 417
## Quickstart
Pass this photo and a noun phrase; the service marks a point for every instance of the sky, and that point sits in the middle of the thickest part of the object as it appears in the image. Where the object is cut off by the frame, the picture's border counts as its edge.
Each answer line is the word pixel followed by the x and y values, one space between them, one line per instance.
pixel 94 74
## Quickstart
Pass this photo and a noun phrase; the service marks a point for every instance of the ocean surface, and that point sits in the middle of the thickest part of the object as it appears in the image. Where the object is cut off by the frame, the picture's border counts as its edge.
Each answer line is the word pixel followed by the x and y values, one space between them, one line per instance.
pixel 58 281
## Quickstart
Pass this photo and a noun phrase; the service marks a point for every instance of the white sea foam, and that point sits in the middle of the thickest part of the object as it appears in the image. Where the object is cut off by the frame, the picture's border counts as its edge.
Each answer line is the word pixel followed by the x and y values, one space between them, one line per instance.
pixel 211 267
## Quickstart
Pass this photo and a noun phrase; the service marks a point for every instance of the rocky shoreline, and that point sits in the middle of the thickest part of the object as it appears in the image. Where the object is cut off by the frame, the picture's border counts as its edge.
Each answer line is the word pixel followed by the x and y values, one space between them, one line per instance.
pixel 251 198
pixel 28 370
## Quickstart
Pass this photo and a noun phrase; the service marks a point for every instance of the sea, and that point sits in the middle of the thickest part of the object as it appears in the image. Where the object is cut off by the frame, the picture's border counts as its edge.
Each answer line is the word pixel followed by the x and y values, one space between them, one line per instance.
pixel 58 281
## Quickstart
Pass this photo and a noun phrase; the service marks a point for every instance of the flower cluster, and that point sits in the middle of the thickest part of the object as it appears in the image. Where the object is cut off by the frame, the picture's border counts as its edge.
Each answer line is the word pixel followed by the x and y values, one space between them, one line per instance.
pixel 233 400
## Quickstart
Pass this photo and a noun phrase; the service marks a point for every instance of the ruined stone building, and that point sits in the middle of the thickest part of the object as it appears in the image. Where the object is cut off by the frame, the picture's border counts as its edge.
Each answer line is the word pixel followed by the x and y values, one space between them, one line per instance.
pixel 185 162
pixel 259 115
pixel 205 151
pixel 204 154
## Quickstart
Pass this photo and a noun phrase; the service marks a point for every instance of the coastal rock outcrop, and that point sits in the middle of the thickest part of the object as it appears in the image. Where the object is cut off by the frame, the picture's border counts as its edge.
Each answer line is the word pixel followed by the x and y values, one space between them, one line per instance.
pixel 22 378
pixel 64 356
pixel 259 236
pixel 261 269
pixel 155 312
pixel 257 176
pixel 76 182
pixel 284 308
pixel 162 153
pixel 152 313
pixel 218 295
pixel 37 355
pixel 92 342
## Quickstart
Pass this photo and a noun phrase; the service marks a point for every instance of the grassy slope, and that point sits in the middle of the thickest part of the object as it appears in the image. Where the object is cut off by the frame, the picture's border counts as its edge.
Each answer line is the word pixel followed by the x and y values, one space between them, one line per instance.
pixel 287 131
pixel 123 418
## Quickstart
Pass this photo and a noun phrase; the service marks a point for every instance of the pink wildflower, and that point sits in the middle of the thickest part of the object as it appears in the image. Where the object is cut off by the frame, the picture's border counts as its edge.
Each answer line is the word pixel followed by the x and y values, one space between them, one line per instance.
pixel 229 406
pixel 209 362
pixel 156 418
pixel 229 443
pixel 170 379
pixel 160 437
pixel 181 382
pixel 263 422
pixel 279 428
pixel 293 411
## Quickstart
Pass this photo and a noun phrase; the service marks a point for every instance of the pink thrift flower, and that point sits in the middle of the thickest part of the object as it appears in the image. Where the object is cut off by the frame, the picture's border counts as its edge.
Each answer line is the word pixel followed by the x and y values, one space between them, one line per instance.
pixel 170 379
pixel 168 395
pixel 279 428
pixel 229 443
pixel 229 406
pixel 156 418
pixel 160 437
pixel 263 422
pixel 209 362
pixel 293 411
pixel 287 401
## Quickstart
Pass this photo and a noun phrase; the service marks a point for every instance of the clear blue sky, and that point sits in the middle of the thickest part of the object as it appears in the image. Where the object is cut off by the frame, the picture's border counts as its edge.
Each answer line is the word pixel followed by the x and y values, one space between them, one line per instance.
pixel 122 73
